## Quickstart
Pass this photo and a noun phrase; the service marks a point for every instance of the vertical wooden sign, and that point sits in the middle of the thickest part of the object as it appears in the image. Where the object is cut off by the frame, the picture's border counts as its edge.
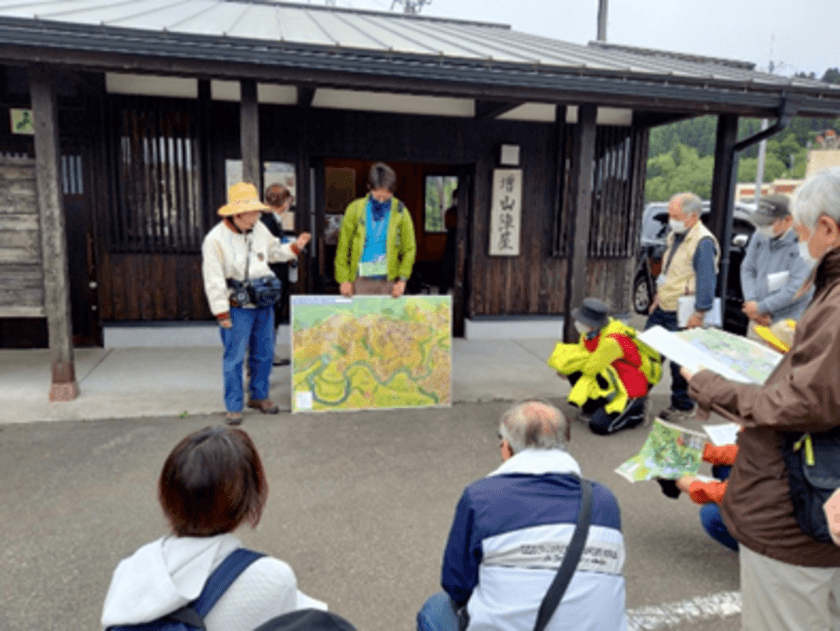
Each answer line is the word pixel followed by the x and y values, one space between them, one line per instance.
pixel 506 212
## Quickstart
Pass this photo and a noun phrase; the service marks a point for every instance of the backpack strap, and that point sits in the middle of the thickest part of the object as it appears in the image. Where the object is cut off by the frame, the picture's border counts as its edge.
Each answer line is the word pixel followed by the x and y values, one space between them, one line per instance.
pixel 222 577
pixel 570 559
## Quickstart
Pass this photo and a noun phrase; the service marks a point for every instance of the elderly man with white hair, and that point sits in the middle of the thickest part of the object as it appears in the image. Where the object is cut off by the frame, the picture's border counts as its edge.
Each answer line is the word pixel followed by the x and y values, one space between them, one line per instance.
pixel 512 530
pixel 789 580
pixel 689 266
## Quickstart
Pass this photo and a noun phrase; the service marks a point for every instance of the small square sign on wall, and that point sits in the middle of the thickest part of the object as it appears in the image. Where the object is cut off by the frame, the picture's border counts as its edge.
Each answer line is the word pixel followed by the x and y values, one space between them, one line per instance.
pixel 21 121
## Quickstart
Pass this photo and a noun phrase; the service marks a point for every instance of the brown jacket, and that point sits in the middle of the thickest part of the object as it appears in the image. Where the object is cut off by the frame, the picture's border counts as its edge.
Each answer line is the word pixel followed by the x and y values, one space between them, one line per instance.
pixel 803 394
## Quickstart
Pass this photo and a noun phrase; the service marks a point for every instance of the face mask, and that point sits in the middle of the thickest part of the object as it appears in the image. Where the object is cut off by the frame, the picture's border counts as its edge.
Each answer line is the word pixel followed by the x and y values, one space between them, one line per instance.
pixel 582 328
pixel 805 253
pixel 766 231
pixel 677 226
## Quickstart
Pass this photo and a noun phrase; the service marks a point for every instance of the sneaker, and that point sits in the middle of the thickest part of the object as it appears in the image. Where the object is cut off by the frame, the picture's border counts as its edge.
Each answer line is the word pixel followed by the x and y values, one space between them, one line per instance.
pixel 673 415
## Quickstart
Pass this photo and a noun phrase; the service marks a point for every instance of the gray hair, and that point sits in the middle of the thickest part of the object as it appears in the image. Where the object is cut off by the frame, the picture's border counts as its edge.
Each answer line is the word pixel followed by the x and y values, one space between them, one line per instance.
pixel 689 203
pixel 534 425
pixel 382 176
pixel 819 195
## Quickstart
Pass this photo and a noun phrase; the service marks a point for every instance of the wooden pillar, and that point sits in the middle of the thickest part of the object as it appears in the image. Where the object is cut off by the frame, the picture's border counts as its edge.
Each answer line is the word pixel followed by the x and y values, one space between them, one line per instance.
pixel 53 234
pixel 583 156
pixel 249 133
pixel 723 192
pixel 208 201
pixel 461 284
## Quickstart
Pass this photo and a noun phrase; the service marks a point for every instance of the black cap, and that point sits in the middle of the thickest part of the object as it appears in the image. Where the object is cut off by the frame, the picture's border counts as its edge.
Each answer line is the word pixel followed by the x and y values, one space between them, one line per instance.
pixel 770 209
pixel 592 312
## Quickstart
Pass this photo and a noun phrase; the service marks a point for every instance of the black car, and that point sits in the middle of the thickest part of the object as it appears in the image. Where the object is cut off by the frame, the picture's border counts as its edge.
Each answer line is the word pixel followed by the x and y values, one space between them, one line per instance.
pixel 652 243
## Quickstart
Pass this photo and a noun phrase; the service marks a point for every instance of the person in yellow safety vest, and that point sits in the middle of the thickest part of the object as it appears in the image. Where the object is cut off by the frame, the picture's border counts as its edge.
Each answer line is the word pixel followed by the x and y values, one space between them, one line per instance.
pixel 609 369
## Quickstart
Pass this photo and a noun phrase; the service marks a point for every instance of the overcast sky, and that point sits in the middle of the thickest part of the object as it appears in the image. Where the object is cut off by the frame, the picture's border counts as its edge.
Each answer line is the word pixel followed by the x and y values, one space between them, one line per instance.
pixel 795 36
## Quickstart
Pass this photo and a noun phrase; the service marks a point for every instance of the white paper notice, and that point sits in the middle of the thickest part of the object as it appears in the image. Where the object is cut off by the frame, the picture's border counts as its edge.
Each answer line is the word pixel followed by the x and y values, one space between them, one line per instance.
pixel 303 400
pixel 723 433
pixel 777 280
pixel 685 309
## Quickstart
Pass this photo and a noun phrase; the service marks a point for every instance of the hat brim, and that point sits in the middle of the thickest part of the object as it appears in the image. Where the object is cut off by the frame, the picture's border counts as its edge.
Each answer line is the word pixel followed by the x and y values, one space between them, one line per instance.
pixel 235 209
pixel 580 317
pixel 760 220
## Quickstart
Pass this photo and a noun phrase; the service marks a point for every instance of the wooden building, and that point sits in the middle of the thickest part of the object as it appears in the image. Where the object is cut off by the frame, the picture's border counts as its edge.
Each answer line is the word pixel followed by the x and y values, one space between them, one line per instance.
pixel 127 120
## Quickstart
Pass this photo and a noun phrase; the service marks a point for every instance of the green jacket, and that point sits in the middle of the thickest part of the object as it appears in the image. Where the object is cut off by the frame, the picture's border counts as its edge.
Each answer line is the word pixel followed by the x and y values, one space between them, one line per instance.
pixel 400 246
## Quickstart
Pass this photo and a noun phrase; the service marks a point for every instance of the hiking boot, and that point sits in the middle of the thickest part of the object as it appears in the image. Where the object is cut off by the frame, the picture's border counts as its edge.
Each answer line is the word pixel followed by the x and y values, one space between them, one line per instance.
pixel 263 405
pixel 673 415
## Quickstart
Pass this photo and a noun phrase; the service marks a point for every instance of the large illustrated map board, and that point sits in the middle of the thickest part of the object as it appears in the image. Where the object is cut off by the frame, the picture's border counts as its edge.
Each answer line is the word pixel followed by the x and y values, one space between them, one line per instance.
pixel 371 352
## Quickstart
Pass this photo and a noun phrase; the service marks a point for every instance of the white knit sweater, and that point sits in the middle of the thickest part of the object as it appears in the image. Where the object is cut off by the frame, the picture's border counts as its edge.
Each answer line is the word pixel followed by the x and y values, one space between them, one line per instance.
pixel 224 254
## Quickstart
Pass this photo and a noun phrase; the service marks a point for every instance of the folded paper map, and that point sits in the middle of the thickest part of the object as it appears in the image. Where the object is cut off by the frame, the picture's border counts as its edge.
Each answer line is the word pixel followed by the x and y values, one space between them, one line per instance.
pixel 669 452
pixel 730 356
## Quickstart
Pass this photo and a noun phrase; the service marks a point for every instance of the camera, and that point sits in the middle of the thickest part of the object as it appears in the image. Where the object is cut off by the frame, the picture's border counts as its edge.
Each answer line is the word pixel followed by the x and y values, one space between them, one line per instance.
pixel 239 296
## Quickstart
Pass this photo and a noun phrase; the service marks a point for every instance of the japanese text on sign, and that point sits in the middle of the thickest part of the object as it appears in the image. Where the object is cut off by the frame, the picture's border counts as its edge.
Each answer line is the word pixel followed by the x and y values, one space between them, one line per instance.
pixel 506 212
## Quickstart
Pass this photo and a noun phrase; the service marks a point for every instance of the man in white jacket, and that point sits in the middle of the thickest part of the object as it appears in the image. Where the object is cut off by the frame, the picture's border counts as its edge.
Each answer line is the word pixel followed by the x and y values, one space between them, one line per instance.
pixel 239 248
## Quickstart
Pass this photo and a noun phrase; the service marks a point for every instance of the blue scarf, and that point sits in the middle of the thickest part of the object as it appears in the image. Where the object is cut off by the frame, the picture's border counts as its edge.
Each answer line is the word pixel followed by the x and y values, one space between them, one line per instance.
pixel 379 209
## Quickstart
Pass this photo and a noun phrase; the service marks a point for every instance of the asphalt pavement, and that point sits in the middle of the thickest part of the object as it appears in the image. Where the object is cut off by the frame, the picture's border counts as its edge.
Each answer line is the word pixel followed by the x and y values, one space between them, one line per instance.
pixel 360 505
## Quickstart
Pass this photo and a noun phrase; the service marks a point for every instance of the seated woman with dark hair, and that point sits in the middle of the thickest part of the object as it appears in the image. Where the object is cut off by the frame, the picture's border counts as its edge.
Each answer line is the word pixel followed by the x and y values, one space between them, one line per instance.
pixel 211 483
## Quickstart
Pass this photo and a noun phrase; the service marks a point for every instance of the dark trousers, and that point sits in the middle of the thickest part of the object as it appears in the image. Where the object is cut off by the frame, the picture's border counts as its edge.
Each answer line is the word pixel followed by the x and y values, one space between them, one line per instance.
pixel 679 386
pixel 603 422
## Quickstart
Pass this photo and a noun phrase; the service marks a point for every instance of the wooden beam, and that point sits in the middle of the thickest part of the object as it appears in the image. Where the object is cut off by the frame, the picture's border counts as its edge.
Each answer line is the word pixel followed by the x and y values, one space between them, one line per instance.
pixel 583 156
pixel 249 130
pixel 53 234
pixel 723 193
pixel 493 109
pixel 306 95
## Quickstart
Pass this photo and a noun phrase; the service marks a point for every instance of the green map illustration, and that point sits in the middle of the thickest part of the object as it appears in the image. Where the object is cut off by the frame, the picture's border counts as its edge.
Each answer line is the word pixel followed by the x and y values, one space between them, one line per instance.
pixel 371 352
pixel 669 452
pixel 753 362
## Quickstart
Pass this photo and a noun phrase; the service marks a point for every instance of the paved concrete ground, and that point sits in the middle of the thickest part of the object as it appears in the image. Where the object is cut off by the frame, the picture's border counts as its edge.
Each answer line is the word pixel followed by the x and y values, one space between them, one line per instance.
pixel 360 506
pixel 147 381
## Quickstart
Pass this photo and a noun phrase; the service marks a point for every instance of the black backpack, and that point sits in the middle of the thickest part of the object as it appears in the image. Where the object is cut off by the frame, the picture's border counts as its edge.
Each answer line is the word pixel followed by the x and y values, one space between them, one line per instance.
pixel 813 467
pixel 191 617
pixel 307 620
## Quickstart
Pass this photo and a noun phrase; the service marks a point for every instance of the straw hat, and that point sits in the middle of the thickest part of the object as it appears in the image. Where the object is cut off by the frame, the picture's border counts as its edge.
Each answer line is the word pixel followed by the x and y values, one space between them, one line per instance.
pixel 242 198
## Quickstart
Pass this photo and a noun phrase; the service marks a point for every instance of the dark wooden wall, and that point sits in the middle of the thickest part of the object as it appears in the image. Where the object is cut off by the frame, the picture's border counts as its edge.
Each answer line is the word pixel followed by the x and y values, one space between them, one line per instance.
pixel 161 286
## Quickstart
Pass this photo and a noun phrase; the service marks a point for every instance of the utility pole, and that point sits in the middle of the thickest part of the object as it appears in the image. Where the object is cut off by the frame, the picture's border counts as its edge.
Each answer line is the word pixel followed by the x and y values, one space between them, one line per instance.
pixel 759 172
pixel 602 20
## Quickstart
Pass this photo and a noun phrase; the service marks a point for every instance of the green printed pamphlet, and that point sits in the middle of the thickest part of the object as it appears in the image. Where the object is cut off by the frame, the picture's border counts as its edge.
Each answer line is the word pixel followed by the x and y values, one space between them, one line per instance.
pixel 669 452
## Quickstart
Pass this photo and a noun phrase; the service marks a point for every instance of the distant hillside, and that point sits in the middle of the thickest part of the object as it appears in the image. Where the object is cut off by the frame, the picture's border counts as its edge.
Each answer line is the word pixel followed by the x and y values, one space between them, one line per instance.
pixel 681 155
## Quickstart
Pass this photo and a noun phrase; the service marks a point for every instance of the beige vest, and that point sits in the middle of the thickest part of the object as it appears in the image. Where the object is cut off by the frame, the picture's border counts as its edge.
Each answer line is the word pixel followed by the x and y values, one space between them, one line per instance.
pixel 680 279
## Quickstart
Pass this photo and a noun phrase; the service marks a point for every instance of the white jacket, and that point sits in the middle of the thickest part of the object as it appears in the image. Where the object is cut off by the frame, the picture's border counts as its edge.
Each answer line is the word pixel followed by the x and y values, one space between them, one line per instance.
pixel 167 574
pixel 223 256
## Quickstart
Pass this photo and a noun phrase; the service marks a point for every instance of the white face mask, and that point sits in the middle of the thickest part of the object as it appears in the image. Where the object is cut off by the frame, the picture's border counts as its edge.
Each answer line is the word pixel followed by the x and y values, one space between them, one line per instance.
pixel 582 328
pixel 805 253
pixel 677 226
pixel 766 231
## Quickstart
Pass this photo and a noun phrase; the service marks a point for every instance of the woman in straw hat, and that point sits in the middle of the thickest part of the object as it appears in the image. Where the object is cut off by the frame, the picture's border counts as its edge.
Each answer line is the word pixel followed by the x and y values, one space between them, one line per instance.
pixel 240 248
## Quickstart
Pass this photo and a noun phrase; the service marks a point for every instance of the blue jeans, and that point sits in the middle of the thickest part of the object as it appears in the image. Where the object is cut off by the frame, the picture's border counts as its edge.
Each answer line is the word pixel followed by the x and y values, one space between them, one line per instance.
pixel 253 328
pixel 438 614
pixel 679 386
pixel 710 514
pixel 713 524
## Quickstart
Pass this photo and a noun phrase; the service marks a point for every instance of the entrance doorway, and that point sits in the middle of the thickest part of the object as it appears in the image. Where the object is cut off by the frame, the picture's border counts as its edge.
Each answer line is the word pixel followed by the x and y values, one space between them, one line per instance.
pixel 427 191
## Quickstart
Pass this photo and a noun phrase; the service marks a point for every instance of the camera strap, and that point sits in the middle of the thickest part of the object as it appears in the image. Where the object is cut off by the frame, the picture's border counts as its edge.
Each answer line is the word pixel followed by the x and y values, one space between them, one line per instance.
pixel 247 256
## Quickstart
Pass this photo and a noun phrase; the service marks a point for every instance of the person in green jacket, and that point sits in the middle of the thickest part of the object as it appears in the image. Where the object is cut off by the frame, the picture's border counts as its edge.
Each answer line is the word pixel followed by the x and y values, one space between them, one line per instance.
pixel 376 245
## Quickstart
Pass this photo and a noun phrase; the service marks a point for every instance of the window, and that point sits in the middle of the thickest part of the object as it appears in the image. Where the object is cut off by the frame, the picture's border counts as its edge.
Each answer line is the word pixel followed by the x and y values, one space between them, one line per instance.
pixel 439 197
pixel 158 180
